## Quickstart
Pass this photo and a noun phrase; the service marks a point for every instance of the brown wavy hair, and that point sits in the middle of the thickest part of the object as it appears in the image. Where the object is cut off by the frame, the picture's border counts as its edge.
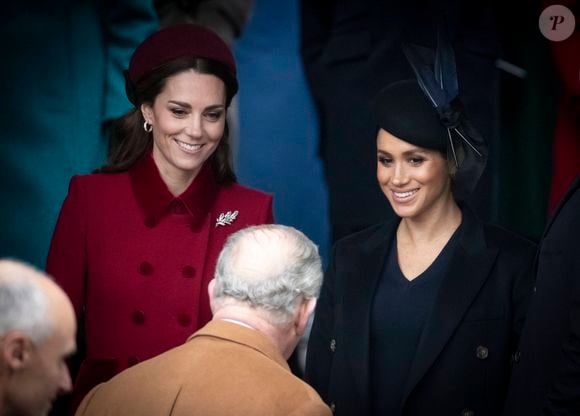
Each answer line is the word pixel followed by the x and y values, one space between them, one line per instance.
pixel 129 141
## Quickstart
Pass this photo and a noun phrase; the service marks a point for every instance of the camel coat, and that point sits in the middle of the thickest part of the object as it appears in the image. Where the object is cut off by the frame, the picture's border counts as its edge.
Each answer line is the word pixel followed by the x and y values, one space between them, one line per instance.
pixel 223 369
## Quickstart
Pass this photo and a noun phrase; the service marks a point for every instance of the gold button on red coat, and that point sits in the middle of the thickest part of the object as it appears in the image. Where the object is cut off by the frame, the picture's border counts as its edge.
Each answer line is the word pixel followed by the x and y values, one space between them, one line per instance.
pixel 188 271
pixel 146 268
pixel 184 319
pixel 138 317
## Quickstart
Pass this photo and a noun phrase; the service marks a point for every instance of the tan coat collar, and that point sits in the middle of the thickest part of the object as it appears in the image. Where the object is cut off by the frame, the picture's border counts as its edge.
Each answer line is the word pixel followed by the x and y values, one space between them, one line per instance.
pixel 245 336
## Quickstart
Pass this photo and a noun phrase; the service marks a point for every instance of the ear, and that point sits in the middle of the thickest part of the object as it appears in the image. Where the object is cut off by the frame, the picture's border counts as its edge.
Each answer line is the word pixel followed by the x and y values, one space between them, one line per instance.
pixel 147 112
pixel 16 350
pixel 304 311
pixel 210 288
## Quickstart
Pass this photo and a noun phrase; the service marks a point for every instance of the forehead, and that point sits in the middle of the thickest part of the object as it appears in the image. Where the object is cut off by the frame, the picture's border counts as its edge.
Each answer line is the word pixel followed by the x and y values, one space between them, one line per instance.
pixel 387 142
pixel 190 86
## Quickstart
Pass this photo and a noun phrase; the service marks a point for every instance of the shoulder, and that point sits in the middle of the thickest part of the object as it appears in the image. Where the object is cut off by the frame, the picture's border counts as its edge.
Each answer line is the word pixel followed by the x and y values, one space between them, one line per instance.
pixel 508 241
pixel 368 237
pixel 95 182
pixel 310 404
pixel 243 199
pixel 297 397
pixel 494 237
pixel 243 192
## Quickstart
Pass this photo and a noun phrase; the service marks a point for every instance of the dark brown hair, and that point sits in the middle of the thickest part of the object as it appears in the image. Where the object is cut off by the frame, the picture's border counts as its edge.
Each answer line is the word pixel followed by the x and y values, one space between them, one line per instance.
pixel 129 141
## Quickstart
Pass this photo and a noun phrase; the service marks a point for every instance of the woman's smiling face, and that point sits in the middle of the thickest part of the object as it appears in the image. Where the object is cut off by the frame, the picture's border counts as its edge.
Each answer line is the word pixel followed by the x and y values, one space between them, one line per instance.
pixel 414 179
pixel 188 120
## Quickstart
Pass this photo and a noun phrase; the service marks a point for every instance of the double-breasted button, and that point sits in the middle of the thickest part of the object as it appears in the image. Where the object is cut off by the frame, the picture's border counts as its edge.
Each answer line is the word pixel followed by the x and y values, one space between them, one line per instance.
pixel 131 361
pixel 184 319
pixel 467 412
pixel 146 268
pixel 188 271
pixel 138 317
pixel 482 352
pixel 516 356
pixel 332 407
pixel 332 345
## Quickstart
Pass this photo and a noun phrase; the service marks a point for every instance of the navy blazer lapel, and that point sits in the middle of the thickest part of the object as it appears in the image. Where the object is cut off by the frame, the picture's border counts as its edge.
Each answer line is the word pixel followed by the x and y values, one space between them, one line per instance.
pixel 364 271
pixel 469 268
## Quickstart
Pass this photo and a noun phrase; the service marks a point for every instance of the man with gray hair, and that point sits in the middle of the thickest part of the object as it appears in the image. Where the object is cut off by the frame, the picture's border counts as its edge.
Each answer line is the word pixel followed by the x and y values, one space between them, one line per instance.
pixel 37 334
pixel 266 283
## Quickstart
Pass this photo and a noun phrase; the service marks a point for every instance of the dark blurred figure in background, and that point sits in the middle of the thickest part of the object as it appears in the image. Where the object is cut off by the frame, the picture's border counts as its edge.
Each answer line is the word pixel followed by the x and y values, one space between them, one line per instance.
pixel 566 142
pixel 227 18
pixel 61 81
pixel 351 50
pixel 546 374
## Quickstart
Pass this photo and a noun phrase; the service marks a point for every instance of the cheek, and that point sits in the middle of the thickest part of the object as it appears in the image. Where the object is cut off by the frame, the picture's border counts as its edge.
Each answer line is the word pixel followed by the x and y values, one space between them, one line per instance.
pixel 382 174
pixel 168 125
pixel 215 131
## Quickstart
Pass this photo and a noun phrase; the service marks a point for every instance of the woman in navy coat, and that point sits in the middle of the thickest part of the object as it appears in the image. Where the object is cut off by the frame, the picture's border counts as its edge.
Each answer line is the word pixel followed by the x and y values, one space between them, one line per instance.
pixel 136 244
pixel 420 316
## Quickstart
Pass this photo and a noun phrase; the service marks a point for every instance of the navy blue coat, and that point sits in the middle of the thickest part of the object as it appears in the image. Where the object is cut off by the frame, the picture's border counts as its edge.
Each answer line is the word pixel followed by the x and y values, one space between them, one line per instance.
pixel 462 362
pixel 546 377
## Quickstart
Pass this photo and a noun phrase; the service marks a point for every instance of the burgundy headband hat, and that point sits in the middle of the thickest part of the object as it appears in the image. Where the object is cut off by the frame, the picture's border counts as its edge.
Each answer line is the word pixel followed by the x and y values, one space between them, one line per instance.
pixel 180 41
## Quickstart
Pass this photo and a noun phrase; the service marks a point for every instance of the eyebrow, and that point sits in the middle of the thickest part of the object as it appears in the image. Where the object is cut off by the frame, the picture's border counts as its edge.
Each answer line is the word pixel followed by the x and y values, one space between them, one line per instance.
pixel 187 105
pixel 407 153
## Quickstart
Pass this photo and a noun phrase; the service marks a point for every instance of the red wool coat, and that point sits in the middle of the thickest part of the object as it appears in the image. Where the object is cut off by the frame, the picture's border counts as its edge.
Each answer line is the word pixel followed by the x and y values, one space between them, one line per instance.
pixel 136 261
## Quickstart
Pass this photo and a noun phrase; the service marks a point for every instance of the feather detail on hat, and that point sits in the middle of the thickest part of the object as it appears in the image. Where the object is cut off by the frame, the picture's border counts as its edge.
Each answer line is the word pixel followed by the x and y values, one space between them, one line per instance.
pixel 436 75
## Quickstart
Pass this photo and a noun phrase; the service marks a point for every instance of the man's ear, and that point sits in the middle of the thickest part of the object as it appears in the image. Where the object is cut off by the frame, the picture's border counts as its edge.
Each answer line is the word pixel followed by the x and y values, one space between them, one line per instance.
pixel 210 288
pixel 304 311
pixel 16 349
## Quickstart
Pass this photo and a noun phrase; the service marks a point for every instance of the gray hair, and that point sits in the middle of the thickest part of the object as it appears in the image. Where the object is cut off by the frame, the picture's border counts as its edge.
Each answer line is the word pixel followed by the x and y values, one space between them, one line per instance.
pixel 24 307
pixel 269 267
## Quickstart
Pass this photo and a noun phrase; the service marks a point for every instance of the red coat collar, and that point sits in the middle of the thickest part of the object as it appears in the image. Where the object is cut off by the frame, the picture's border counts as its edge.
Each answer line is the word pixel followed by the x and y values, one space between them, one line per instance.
pixel 155 199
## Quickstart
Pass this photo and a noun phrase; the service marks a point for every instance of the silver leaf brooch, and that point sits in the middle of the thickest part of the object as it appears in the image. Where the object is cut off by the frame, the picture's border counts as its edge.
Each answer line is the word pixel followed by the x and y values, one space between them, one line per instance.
pixel 226 218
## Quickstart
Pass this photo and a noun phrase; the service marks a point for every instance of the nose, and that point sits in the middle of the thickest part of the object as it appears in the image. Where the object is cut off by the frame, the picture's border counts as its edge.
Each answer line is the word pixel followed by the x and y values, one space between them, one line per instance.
pixel 399 175
pixel 194 126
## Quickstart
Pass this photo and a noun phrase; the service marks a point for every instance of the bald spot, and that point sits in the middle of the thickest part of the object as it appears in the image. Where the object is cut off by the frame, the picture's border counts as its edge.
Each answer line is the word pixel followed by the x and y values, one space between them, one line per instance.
pixel 261 254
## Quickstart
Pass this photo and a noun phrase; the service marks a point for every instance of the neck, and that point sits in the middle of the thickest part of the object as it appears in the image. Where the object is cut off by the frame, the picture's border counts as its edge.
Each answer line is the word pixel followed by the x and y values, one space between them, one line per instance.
pixel 280 337
pixel 437 223
pixel 176 180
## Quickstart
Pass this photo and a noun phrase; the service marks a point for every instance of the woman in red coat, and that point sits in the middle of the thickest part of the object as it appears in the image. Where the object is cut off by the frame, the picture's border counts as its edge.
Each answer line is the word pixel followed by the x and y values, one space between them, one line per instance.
pixel 136 244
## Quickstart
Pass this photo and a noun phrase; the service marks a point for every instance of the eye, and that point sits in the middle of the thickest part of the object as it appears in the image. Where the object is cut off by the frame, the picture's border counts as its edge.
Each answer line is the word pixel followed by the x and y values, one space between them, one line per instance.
pixel 416 161
pixel 384 160
pixel 214 115
pixel 178 111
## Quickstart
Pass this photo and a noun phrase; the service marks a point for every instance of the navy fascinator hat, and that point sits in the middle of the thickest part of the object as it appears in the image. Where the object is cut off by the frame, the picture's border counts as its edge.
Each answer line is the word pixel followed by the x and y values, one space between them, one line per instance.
pixel 428 113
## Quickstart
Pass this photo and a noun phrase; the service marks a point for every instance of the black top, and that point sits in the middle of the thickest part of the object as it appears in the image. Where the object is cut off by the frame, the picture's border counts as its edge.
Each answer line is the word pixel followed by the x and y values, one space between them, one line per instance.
pixel 400 310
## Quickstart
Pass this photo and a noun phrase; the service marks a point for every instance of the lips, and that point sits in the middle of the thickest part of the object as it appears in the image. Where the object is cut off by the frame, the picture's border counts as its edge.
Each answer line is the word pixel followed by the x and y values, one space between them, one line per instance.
pixel 404 196
pixel 189 147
